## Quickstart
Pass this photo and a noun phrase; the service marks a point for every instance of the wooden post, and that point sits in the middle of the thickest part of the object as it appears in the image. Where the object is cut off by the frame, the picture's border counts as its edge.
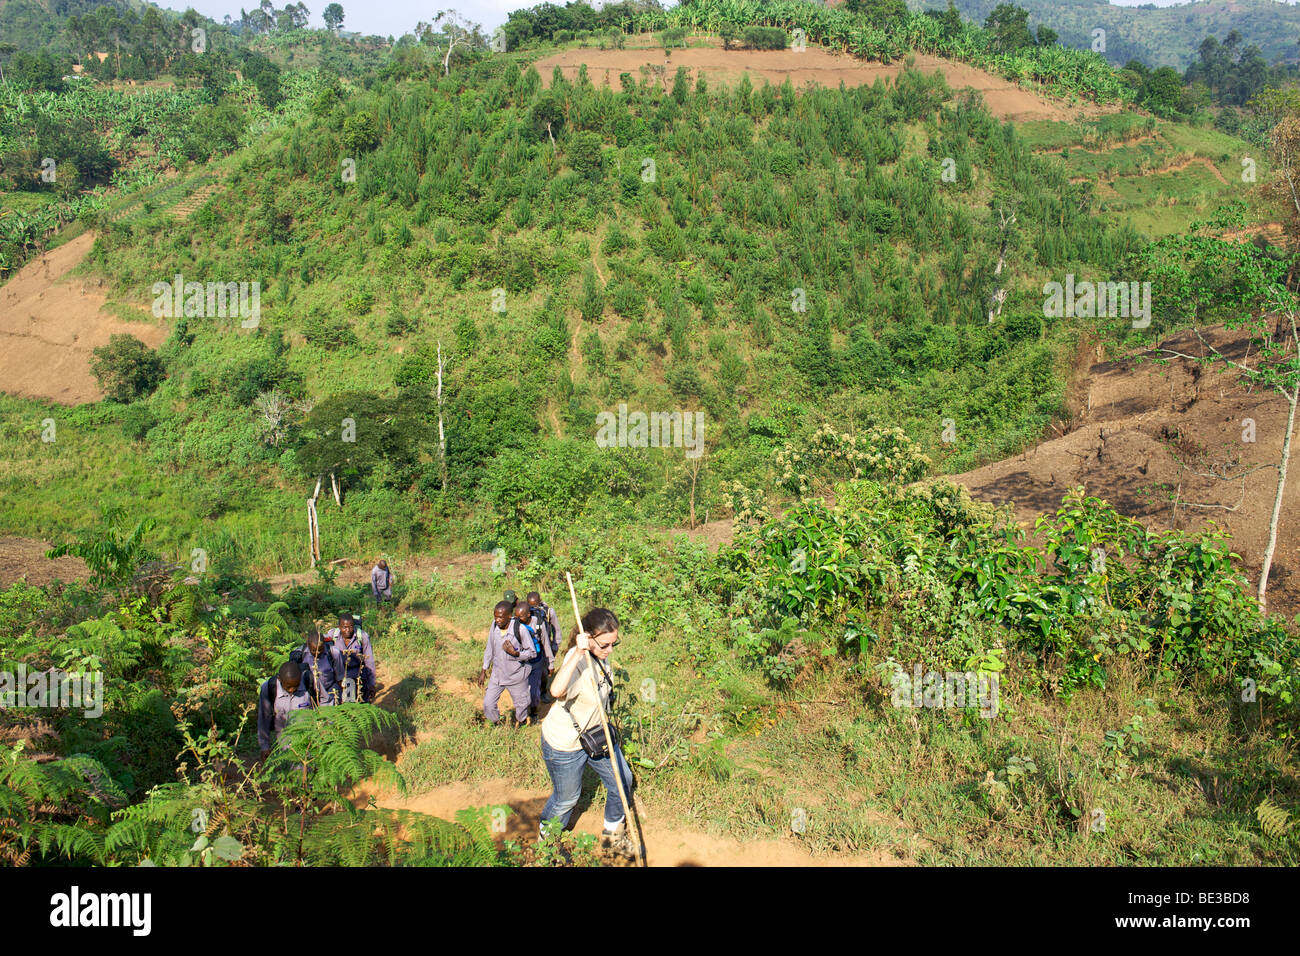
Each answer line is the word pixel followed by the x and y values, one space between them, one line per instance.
pixel 313 527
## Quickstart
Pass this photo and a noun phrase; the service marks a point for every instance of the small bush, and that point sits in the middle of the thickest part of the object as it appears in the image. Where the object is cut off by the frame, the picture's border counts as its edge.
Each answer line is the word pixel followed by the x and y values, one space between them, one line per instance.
pixel 126 368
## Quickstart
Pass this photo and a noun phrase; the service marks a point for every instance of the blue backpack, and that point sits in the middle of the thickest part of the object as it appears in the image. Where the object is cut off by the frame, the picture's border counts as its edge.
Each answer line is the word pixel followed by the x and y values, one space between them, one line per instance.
pixel 532 636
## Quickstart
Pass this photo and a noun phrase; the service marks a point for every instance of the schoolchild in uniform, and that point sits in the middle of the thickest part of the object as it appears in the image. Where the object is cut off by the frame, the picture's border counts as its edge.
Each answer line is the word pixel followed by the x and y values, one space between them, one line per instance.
pixel 511 663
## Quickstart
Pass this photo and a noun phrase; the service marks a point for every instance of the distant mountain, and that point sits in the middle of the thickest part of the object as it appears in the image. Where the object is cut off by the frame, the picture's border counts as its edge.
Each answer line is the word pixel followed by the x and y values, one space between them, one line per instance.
pixel 1155 34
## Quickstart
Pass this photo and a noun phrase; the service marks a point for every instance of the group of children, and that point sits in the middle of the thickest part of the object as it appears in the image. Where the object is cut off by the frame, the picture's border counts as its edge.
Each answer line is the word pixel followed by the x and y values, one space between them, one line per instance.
pixel 337 667
pixel 521 647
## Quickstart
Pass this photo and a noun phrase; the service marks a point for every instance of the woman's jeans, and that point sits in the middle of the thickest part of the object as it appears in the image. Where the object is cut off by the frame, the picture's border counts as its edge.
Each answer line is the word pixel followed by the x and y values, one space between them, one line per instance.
pixel 566 777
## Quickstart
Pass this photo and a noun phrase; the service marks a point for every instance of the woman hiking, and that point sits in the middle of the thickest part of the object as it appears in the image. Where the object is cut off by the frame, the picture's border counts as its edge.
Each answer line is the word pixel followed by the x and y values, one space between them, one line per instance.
pixel 572 737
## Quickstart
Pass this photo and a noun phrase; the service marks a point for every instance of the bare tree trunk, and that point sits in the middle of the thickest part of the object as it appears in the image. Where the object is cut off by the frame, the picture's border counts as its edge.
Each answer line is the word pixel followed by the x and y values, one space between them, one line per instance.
pixel 1000 296
pixel 695 474
pixel 442 437
pixel 338 500
pixel 313 527
pixel 1292 399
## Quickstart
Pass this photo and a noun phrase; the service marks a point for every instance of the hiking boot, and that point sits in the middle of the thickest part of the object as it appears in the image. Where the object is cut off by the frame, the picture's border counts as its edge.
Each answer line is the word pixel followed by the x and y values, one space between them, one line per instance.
pixel 618 842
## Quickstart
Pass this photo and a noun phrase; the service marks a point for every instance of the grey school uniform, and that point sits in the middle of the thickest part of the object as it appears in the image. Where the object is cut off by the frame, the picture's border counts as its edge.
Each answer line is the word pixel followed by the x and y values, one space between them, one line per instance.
pixel 541 663
pixel 547 615
pixel 381 583
pixel 508 673
pixel 323 676
pixel 358 662
pixel 273 715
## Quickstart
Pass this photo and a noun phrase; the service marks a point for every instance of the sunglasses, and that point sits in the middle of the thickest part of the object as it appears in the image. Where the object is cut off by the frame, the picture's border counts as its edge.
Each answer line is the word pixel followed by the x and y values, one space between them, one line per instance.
pixel 603 647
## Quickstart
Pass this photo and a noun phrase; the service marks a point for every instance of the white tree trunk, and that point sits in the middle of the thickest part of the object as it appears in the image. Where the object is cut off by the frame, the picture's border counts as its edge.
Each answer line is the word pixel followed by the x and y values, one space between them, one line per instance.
pixel 442 437
pixel 335 485
pixel 1293 399
pixel 313 529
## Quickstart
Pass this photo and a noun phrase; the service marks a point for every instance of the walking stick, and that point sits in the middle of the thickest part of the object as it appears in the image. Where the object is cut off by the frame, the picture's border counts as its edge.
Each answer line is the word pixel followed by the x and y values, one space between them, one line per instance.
pixel 629 808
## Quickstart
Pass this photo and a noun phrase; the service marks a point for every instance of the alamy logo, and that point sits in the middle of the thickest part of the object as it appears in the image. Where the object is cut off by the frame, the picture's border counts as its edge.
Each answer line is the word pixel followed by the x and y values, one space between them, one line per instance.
pixel 945 689
pixel 75 909
pixel 53 688
pixel 1123 300
pixel 655 430
pixel 215 300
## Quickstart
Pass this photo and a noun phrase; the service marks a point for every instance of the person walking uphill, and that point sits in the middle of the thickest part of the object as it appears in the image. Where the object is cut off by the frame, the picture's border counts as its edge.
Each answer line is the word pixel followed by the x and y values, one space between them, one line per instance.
pixel 322 670
pixel 359 668
pixel 568 743
pixel 549 625
pixel 511 660
pixel 524 630
pixel 381 583
pixel 277 699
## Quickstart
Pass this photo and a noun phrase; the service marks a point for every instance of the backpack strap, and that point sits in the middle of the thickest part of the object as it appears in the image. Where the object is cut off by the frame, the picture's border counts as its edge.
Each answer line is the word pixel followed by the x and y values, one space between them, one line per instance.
pixel 599 703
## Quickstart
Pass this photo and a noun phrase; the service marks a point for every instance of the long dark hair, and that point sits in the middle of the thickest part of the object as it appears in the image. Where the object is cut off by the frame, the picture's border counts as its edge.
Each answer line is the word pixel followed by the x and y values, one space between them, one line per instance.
pixel 597 621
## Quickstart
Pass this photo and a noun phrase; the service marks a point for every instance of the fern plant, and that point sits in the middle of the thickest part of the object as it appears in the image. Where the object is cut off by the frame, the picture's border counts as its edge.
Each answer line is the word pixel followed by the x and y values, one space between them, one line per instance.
pixel 1275 821
pixel 55 809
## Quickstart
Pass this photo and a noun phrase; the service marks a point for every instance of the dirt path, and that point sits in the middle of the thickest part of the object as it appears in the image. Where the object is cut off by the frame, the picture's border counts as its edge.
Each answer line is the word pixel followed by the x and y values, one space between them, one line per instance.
pixel 49 324
pixel 666 844
pixel 1108 147
pixel 357 570
pixel 1194 161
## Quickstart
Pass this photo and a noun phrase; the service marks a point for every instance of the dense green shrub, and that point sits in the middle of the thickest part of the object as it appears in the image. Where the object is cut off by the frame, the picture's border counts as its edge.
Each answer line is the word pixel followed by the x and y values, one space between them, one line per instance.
pixel 126 369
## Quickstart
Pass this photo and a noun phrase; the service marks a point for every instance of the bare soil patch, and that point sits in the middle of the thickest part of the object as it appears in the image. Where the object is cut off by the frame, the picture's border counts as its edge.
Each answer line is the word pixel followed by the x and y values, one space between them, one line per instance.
pixel 814 65
pixel 49 323
pixel 23 559
pixel 1150 439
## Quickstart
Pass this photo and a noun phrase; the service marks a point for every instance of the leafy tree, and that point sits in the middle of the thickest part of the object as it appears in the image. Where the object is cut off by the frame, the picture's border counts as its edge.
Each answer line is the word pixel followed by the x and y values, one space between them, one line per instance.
pixel 359 434
pixel 112 553
pixel 1163 91
pixel 333 16
pixel 126 368
pixel 547 116
pixel 1009 25
pixel 360 133
pixel 878 12
pixel 36 71
pixel 585 155
pixel 215 130
pixel 593 296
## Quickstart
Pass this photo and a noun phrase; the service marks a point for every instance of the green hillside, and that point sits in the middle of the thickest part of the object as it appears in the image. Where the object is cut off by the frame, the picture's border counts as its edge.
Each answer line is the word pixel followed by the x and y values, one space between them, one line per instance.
pixel 1157 36
pixel 451 285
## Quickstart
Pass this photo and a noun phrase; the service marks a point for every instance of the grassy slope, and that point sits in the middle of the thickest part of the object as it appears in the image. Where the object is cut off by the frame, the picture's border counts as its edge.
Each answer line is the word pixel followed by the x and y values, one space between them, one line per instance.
pixel 1149 172
pixel 1159 37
